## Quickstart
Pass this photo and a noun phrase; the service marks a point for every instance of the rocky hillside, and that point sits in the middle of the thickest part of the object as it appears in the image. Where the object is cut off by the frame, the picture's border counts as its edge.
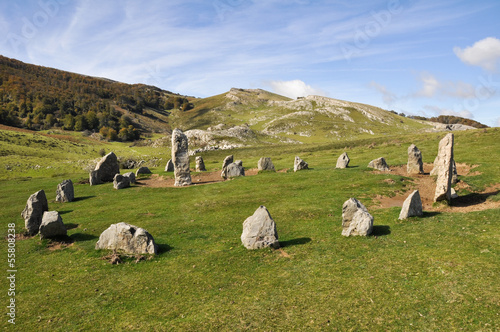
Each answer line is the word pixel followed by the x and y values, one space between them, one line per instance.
pixel 246 116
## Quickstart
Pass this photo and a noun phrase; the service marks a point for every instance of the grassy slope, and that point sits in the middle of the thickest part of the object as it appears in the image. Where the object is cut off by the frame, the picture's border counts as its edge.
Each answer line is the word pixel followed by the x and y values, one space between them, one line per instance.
pixel 433 273
pixel 255 111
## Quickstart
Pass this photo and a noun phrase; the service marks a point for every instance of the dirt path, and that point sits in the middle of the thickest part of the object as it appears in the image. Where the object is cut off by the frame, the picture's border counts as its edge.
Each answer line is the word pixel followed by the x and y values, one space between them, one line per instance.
pixel 426 186
pixel 158 181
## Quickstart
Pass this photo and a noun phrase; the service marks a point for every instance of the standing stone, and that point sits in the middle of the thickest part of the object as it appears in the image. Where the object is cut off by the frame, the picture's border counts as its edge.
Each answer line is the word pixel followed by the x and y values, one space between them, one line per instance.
pixel 299 164
pixel 170 166
pixel 437 167
pixel 107 167
pixel 355 219
pixel 120 181
pixel 142 170
pixel 128 238
pixel 259 230
pixel 412 206
pixel 228 160
pixel 130 176
pixel 180 158
pixel 200 164
pixel 415 164
pixel 33 212
pixel 343 161
pixel 94 178
pixel 265 164
pixel 52 225
pixel 445 169
pixel 379 164
pixel 65 191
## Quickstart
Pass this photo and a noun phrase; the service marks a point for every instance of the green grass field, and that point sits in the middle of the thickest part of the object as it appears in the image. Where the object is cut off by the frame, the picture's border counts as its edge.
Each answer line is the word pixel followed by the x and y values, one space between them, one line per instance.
pixel 435 273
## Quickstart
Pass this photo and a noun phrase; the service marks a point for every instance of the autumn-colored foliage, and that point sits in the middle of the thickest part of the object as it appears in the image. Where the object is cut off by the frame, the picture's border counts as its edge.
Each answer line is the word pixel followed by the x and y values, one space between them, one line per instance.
pixel 37 98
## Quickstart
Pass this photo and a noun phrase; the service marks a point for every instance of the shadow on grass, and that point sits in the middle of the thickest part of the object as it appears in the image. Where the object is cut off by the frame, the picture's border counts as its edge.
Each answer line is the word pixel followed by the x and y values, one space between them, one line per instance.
pixel 163 248
pixel 472 199
pixel 80 237
pixel 82 198
pixel 70 226
pixel 355 166
pixel 295 242
pixel 64 212
pixel 427 214
pixel 381 230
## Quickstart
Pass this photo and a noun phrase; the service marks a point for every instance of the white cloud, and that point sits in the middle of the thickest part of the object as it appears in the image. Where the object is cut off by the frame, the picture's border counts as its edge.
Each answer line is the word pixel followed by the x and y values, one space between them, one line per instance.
pixel 443 111
pixel 387 96
pixel 484 53
pixel 294 89
pixel 432 87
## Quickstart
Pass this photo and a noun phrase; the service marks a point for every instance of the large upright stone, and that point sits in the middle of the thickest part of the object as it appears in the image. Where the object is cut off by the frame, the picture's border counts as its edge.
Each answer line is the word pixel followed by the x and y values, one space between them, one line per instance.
pixel 180 158
pixel 52 225
pixel 65 191
pixel 299 164
pixel 33 212
pixel 228 160
pixel 438 164
pixel 200 164
pixel 412 206
pixel 415 164
pixel 107 167
pixel 445 169
pixel 128 238
pixel 379 164
pixel 259 230
pixel 170 166
pixel 121 181
pixel 265 164
pixel 356 220
pixel 343 161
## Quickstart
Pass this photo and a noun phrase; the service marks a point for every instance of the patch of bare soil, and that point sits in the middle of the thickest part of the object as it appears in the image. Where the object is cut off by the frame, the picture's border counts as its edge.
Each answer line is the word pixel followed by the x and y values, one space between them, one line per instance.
pixel 58 245
pixel 158 181
pixel 426 186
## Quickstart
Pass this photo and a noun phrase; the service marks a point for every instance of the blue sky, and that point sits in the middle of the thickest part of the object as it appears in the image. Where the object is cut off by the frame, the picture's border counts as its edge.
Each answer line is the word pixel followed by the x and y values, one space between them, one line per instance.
pixel 417 57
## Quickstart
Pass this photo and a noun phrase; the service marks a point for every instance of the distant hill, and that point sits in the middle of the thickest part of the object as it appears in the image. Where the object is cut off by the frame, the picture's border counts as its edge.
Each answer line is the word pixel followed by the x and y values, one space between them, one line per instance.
pixel 36 97
pixel 242 116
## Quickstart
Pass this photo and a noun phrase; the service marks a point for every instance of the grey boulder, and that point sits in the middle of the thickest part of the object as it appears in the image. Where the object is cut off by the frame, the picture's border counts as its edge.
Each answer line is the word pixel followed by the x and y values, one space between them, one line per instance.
pixel 94 178
pixel 52 225
pixel 120 181
pixel 170 166
pixel 142 170
pixel 234 170
pixel 299 164
pixel 259 230
pixel 107 167
pixel 444 169
pixel 65 191
pixel 200 164
pixel 379 164
pixel 130 176
pixel 33 212
pixel 412 206
pixel 356 220
pixel 265 164
pixel 343 161
pixel 127 238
